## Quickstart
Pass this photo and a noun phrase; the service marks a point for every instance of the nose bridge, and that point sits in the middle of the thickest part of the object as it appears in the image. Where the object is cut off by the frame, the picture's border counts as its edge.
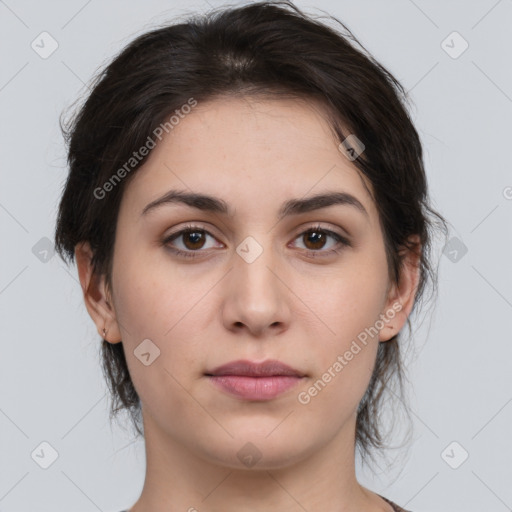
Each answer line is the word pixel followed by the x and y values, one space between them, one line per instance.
pixel 253 263
pixel 256 297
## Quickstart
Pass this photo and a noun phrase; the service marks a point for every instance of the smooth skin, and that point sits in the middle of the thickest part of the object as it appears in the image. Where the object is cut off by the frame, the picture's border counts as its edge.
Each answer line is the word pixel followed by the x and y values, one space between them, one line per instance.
pixel 297 302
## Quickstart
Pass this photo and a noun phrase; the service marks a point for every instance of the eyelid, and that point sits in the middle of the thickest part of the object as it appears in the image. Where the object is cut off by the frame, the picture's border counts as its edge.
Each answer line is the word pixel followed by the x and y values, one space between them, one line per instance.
pixel 191 226
pixel 324 226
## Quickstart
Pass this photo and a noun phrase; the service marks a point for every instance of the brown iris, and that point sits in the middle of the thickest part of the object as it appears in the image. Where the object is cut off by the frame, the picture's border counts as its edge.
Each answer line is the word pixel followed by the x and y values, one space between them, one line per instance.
pixel 196 237
pixel 317 238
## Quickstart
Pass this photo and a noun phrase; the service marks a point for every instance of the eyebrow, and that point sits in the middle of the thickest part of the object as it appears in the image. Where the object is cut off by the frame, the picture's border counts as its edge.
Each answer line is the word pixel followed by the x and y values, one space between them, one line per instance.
pixel 213 204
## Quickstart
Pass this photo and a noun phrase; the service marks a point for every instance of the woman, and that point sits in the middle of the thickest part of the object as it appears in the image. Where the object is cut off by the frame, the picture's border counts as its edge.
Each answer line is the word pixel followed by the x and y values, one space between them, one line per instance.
pixel 248 210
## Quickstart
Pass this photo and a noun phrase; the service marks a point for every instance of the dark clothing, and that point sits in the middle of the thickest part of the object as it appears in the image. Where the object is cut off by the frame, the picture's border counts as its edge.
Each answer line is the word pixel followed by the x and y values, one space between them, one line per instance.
pixel 396 508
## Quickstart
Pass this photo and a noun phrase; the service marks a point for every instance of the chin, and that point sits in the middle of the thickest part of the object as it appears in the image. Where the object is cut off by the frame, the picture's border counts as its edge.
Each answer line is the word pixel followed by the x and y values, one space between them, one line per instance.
pixel 251 451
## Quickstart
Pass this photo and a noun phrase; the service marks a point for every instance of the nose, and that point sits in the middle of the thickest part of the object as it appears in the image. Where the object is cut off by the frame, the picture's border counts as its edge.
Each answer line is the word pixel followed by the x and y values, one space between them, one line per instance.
pixel 256 298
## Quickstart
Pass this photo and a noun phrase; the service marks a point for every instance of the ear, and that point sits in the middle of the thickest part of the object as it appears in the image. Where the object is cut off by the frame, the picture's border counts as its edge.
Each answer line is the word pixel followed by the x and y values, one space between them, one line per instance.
pixel 96 295
pixel 400 298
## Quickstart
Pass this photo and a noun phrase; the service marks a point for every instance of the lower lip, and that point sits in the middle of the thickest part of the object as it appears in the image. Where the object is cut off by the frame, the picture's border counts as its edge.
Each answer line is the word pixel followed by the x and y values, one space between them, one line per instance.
pixel 255 388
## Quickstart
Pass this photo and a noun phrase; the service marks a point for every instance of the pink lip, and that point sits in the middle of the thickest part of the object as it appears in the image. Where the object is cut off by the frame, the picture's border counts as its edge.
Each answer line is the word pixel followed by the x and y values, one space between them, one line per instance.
pixel 255 381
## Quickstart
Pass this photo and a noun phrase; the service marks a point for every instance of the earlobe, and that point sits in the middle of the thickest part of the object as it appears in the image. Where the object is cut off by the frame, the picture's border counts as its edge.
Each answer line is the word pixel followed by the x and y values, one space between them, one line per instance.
pixel 95 294
pixel 401 296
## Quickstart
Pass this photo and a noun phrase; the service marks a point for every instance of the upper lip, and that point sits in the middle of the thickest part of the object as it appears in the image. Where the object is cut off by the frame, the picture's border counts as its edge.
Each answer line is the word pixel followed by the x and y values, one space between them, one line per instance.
pixel 267 368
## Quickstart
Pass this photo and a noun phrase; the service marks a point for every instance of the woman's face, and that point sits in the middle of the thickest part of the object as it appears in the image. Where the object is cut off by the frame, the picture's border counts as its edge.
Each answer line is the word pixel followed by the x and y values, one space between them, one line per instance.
pixel 252 284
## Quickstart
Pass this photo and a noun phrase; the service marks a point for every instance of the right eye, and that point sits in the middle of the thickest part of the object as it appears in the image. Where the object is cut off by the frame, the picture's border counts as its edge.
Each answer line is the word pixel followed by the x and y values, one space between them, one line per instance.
pixel 192 238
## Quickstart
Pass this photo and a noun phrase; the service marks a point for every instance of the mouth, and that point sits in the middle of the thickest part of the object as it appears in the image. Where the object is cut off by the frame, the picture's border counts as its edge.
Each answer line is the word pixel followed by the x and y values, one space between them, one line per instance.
pixel 253 381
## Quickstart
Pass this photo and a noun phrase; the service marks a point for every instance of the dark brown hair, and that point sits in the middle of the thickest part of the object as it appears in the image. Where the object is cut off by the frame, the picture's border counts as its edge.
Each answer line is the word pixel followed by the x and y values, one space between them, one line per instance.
pixel 269 48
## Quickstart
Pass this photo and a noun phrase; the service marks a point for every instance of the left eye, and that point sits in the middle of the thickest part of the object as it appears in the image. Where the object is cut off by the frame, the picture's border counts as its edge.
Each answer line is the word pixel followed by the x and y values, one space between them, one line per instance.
pixel 317 238
pixel 193 239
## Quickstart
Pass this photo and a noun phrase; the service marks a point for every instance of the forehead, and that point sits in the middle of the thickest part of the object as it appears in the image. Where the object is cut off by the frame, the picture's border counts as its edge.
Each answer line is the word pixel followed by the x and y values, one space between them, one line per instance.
pixel 257 150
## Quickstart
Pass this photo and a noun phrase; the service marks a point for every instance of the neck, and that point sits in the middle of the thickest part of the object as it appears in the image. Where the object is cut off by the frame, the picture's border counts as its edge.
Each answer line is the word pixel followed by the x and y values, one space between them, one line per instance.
pixel 179 479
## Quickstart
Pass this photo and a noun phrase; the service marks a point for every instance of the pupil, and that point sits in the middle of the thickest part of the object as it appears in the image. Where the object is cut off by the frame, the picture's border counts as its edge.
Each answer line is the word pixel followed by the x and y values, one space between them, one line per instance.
pixel 316 234
pixel 195 236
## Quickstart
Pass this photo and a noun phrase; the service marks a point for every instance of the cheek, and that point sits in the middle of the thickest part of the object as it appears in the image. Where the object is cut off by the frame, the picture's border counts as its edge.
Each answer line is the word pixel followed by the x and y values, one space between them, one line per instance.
pixel 344 362
pixel 354 300
pixel 155 301
pixel 150 296
pixel 347 352
pixel 148 309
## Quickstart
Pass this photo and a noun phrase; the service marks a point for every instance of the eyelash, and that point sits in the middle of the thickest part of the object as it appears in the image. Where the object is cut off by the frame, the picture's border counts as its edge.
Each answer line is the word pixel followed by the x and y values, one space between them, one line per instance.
pixel 344 242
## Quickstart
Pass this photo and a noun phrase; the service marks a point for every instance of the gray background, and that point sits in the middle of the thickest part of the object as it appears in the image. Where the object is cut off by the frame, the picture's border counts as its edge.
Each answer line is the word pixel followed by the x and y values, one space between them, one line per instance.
pixel 51 385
